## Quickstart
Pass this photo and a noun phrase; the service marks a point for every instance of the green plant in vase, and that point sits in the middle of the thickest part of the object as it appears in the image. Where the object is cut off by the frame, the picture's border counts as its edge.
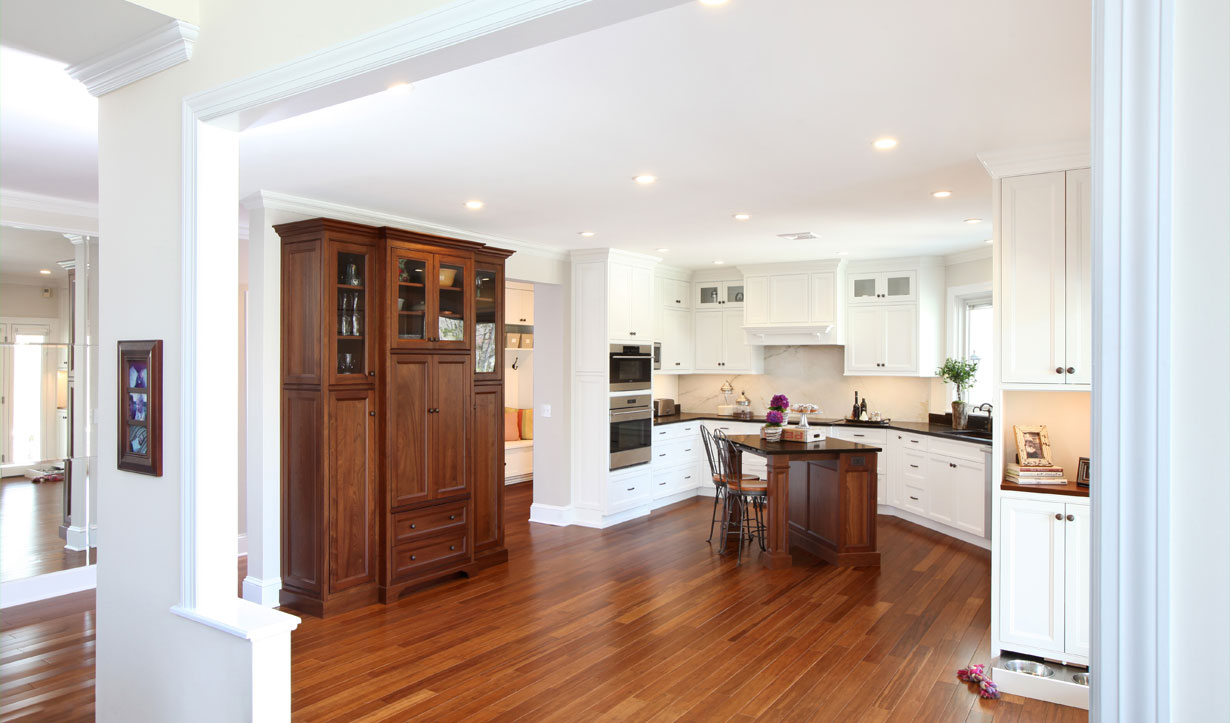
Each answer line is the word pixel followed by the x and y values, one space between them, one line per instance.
pixel 960 373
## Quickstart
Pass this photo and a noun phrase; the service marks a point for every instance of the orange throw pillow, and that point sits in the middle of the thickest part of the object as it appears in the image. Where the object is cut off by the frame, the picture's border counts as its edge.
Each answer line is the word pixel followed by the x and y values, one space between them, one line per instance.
pixel 511 431
pixel 527 423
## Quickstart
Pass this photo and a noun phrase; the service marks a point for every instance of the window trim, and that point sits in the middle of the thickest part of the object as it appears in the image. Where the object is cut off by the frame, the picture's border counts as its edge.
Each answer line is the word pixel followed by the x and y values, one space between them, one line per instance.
pixel 959 297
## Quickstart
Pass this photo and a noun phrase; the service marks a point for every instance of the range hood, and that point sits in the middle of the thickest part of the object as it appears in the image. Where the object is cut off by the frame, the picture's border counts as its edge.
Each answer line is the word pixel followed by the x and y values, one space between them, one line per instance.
pixel 803 335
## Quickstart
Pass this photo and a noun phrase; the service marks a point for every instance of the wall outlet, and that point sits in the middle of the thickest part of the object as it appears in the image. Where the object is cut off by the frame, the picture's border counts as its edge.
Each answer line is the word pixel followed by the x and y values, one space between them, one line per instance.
pixel 545 410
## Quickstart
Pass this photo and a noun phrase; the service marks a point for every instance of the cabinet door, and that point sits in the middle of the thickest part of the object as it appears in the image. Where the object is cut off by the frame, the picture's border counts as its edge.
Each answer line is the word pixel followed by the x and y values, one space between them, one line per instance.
pixel 408 394
pixel 732 294
pixel 353 489
pixel 823 298
pixel 788 303
pixel 619 302
pixel 1077 550
pixel 488 322
pixel 899 286
pixel 737 353
pixel 487 442
pixel 353 269
pixel 708 294
pixel 941 495
pixel 450 425
pixel 756 301
pixel 680 294
pixel 677 347
pixel 454 322
pixel 864 339
pixel 709 347
pixel 518 307
pixel 1031 575
pixel 900 339
pixel 1078 325
pixel 641 305
pixel 413 302
pixel 864 288
pixel 1033 292
pixel 969 497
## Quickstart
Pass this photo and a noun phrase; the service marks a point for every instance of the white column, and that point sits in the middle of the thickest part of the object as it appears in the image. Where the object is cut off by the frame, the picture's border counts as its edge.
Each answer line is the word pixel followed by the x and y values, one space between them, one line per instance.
pixel 77 535
pixel 263 464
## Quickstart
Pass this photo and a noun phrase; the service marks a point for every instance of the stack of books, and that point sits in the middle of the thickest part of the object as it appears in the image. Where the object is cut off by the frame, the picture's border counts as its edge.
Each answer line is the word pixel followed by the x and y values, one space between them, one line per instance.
pixel 1017 474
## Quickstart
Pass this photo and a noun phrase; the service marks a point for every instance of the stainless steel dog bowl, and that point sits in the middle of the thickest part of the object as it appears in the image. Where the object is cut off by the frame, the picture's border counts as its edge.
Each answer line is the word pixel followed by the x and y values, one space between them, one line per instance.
pixel 1081 678
pixel 1029 667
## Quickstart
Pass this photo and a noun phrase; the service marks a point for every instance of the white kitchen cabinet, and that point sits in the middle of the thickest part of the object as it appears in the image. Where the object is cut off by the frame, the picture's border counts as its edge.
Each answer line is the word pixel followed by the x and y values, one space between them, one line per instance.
pixel 678 348
pixel 883 287
pixel 518 306
pixel 630 303
pixel 756 304
pixel 941 489
pixel 1044 578
pixel 788 299
pixel 674 293
pixel 969 489
pixel 882 339
pixel 822 298
pixel 864 339
pixel 941 479
pixel 721 344
pixel 727 294
pixel 900 339
pixel 1045 278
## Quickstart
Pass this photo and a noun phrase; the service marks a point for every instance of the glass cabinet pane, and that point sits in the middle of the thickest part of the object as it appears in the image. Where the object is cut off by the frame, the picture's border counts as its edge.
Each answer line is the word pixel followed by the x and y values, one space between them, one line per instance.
pixel 865 288
pixel 412 298
pixel 710 294
pixel 452 302
pixel 899 285
pixel 486 292
pixel 734 294
pixel 351 312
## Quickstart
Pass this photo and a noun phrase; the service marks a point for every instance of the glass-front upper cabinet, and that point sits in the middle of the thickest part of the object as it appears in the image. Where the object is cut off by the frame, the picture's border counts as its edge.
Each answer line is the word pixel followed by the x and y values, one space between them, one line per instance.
pixel 352 351
pixel 411 272
pixel 432 299
pixel 453 307
pixel 884 287
pixel 718 294
pixel 488 344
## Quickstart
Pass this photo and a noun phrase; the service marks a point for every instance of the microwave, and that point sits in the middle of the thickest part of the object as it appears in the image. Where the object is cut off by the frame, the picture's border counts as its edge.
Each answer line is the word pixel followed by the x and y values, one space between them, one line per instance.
pixel 631 368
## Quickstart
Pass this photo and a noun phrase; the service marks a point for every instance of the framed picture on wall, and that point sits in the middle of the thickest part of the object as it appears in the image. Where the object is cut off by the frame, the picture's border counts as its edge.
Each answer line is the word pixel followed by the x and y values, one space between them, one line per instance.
pixel 1033 446
pixel 140 407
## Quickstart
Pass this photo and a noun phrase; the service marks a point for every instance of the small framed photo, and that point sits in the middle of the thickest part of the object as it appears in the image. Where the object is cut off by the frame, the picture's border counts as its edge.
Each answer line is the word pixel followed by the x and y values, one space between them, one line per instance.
pixel 1082 472
pixel 139 437
pixel 1033 446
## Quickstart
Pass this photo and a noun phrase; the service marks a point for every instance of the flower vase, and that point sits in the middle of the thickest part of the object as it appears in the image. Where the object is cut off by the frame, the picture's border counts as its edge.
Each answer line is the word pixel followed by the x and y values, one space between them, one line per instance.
pixel 771 434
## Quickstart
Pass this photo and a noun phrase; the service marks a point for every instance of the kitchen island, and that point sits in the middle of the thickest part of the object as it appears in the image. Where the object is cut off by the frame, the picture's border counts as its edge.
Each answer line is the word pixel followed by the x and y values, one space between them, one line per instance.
pixel 821 498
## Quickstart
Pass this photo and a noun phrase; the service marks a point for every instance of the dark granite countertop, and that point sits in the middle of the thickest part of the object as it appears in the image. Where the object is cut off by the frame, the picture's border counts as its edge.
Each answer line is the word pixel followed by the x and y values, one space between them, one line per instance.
pixel 934 430
pixel 831 445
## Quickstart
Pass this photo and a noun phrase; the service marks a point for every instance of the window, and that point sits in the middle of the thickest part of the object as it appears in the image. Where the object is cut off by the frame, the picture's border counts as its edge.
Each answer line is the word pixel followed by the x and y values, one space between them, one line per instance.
pixel 975 327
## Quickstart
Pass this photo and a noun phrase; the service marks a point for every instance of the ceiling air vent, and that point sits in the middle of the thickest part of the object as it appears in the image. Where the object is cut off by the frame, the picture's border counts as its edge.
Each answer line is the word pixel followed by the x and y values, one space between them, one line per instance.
pixel 803 236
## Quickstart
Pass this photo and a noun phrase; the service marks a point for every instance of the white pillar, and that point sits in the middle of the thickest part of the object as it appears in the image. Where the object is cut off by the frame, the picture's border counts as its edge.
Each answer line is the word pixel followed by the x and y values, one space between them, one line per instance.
pixel 262 412
pixel 77 536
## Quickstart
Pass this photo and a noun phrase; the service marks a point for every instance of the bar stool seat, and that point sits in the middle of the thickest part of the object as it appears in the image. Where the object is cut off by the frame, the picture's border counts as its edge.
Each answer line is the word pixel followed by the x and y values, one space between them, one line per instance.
pixel 749 483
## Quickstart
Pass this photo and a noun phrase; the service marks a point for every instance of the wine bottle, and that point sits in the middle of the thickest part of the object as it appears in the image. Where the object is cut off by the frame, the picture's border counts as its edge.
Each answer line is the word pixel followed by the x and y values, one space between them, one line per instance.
pixel 854 413
pixel 862 410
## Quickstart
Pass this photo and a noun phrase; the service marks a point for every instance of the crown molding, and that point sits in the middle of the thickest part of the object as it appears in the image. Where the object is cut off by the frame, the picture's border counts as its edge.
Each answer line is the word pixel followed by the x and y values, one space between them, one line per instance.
pixel 47 204
pixel 312 208
pixel 1024 162
pixel 975 254
pixel 157 50
pixel 792 267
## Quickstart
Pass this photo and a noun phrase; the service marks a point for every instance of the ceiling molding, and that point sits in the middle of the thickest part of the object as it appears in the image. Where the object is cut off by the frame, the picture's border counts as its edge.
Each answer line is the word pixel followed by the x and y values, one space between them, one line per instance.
pixel 47 204
pixel 311 208
pixel 1024 162
pixel 975 254
pixel 139 58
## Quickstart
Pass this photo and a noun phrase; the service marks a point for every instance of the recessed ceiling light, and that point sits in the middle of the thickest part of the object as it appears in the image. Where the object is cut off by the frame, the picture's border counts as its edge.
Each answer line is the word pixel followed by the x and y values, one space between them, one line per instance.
pixel 45 272
pixel 662 251
pixel 587 234
pixel 400 87
pixel 718 263
pixel 742 216
pixel 973 220
pixel 645 179
pixel 942 194
pixel 474 205
pixel 885 144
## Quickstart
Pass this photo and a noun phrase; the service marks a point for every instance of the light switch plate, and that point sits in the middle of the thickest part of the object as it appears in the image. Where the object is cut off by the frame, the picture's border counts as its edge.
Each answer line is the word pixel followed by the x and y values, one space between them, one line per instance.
pixel 545 409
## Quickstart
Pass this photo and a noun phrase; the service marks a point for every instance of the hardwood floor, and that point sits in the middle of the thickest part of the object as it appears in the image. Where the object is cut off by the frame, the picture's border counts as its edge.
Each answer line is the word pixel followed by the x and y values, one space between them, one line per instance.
pixel 638 622
pixel 30 543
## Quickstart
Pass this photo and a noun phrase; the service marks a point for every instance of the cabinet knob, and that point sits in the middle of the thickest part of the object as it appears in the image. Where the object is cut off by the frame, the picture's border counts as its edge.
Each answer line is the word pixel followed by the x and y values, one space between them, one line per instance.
pixel 677 301
pixel 452 547
pixel 371 414
pixel 413 526
pixel 1071 518
pixel 371 374
pixel 632 333
pixel 1071 370
pixel 950 464
pixel 413 558
pixel 1058 516
pixel 1059 370
pixel 452 517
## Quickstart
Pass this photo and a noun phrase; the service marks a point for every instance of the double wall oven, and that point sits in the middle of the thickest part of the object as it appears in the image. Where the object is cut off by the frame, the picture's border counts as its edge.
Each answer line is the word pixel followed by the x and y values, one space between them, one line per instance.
pixel 631 378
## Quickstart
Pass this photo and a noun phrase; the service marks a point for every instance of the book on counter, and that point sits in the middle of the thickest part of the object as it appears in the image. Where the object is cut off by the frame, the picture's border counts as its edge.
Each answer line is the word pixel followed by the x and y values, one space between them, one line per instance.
pixel 1034 475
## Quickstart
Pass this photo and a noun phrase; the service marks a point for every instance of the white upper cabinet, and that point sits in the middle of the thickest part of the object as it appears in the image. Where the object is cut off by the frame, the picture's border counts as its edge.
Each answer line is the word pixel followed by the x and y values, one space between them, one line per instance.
pixel 791 304
pixel 864 339
pixel 900 329
pixel 721 344
pixel 709 341
pixel 518 306
pixel 756 306
pixel 883 287
pixel 674 293
pixel 788 297
pixel 718 294
pixel 677 342
pixel 822 292
pixel 882 339
pixel 1044 248
pixel 630 309
pixel 895 319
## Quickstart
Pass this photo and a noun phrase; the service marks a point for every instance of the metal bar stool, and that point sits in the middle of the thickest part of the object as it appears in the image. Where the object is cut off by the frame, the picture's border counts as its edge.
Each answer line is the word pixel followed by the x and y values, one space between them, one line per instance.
pixel 746 493
pixel 719 496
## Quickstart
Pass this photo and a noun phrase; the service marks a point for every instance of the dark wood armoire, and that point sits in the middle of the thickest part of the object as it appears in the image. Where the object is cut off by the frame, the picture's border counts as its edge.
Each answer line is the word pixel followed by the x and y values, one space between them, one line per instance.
pixel 392 412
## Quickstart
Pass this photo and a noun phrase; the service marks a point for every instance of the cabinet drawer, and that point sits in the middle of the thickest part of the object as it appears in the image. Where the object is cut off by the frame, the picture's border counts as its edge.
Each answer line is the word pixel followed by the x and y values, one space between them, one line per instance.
pixel 863 435
pixel 678 430
pixel 679 479
pixel 628 491
pixel 410 558
pixel 914 499
pixel 415 524
pixel 914 466
pixel 671 454
pixel 961 450
pixel 916 442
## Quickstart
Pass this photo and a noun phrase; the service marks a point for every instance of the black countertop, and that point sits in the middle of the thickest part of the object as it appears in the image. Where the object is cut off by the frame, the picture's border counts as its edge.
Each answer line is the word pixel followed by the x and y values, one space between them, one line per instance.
pixel 933 430
pixel 756 445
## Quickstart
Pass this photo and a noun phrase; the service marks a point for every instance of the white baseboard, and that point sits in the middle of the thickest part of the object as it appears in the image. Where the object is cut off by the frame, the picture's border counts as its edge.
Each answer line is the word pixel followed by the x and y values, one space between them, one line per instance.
pixel 597 520
pixel 939 527
pixel 53 584
pixel 551 515
pixel 76 538
pixel 262 592
pixel 518 478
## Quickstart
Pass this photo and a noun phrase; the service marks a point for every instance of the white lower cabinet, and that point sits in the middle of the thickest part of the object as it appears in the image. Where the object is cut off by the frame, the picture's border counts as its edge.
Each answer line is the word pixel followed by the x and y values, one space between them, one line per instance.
pixel 940 479
pixel 1044 578
pixel 628 488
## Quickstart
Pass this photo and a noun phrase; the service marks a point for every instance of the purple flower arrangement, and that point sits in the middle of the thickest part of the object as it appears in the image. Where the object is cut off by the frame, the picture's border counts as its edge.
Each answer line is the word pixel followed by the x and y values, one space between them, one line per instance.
pixel 779 402
pixel 776 416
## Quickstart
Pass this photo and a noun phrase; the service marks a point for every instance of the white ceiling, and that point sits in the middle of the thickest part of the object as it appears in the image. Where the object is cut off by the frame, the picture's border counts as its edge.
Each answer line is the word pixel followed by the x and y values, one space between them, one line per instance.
pixel 767 107
pixel 23 252
pixel 73 31
pixel 48 129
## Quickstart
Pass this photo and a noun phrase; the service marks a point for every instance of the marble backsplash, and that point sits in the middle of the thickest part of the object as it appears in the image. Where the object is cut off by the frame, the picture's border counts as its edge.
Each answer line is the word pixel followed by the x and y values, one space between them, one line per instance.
pixel 815 375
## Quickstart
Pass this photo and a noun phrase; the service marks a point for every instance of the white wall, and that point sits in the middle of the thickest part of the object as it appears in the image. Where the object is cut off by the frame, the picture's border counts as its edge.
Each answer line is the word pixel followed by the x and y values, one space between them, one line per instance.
pixel 25 299
pixel 552 385
pixel 1200 333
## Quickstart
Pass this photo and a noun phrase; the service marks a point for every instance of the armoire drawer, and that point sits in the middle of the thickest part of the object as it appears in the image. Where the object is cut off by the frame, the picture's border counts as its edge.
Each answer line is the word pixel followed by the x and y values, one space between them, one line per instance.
pixel 420 523
pixel 411 557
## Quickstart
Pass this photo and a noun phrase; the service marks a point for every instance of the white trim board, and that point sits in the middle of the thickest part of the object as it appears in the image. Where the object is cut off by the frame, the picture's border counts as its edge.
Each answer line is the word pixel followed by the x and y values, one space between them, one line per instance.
pixel 52 584
pixel 1023 162
pixel 11 198
pixel 161 48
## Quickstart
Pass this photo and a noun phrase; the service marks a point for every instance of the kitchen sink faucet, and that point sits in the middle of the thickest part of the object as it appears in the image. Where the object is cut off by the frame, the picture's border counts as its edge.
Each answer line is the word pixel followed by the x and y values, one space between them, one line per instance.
pixel 986 407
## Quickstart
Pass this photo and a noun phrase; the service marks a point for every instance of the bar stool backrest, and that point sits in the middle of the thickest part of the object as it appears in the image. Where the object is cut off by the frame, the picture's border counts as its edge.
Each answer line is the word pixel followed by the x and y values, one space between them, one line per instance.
pixel 714 453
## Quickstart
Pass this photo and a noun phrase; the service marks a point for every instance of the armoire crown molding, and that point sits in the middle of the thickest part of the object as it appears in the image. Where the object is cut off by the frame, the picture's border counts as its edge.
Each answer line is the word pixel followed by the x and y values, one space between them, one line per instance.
pixel 157 50
pixel 1026 161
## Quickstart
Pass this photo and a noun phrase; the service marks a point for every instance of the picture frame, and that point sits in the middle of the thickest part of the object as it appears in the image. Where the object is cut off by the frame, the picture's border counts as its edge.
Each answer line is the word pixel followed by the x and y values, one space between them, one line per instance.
pixel 1082 472
pixel 139 384
pixel 1033 445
